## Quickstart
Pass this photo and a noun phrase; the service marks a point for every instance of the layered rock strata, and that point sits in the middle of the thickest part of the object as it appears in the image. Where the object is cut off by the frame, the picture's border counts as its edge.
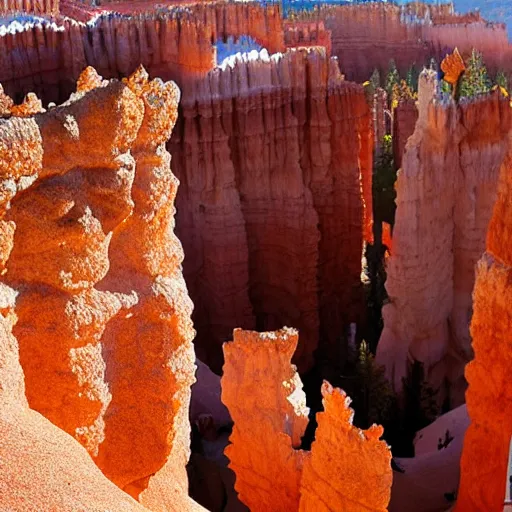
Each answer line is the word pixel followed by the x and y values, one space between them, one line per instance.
pixel 303 34
pixel 272 153
pixel 368 36
pixel 405 116
pixel 272 472
pixel 103 314
pixel 485 454
pixel 445 194
pixel 38 7
pixel 172 43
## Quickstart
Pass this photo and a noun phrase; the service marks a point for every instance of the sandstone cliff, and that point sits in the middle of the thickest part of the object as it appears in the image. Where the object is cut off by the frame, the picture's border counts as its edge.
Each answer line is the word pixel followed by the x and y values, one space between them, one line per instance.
pixel 103 314
pixel 347 469
pixel 272 153
pixel 445 193
pixel 367 36
pixel 252 217
pixel 37 7
pixel 43 468
pixel 405 116
pixel 485 454
pixel 173 43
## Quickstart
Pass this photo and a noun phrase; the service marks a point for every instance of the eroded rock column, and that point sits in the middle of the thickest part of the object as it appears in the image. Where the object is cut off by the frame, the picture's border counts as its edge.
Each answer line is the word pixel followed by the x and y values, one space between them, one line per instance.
pixel 264 396
pixel 347 468
pixel 489 399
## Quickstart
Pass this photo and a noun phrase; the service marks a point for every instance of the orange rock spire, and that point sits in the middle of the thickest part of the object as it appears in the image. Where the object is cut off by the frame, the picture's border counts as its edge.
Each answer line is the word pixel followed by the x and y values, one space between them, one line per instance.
pixel 91 269
pixel 486 445
pixel 347 468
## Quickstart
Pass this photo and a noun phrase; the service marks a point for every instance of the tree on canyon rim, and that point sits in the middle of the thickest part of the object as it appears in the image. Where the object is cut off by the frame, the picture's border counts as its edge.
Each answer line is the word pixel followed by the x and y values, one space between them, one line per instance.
pixel 501 80
pixel 475 79
pixel 392 79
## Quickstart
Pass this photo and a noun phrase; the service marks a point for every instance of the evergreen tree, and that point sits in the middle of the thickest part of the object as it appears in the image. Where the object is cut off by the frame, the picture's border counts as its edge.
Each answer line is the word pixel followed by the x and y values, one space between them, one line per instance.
pixel 501 80
pixel 412 78
pixel 374 398
pixel 392 78
pixel 446 87
pixel 420 408
pixel 475 79
pixel 375 78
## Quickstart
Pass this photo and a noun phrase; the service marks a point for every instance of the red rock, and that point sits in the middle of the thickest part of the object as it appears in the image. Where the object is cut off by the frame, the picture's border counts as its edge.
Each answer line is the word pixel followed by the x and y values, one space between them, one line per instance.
pixel 102 307
pixel 43 468
pixel 45 7
pixel 446 187
pixel 484 461
pixel 264 395
pixel 327 482
pixel 405 116
pixel 262 228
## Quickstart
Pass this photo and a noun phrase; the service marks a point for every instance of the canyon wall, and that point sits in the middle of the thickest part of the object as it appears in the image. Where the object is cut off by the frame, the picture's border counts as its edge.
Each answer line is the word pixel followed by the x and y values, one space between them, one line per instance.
pixel 304 34
pixel 242 215
pixel 405 116
pixel 37 7
pixel 445 193
pixel 176 42
pixel 47 57
pixel 484 462
pixel 346 469
pixel 93 270
pixel 272 153
pixel 365 37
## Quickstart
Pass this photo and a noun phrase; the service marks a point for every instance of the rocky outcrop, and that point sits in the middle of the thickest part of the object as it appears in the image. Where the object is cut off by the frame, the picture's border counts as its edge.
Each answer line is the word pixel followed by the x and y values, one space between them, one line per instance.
pixel 264 395
pixel 484 462
pixel 272 153
pixel 327 483
pixel 367 36
pixel 43 468
pixel 90 256
pixel 173 43
pixel 445 193
pixel 269 420
pixel 299 34
pixel 405 116
pixel 38 7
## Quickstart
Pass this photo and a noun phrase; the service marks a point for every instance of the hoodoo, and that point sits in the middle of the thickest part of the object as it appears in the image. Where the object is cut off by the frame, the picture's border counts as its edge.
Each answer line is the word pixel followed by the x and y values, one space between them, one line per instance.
pixel 486 445
pixel 90 257
pixel 446 189
pixel 264 395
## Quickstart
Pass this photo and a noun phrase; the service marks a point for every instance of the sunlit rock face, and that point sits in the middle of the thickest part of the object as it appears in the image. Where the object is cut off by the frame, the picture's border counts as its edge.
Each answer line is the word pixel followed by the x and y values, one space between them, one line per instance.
pixel 486 445
pixel 346 469
pixel 446 189
pixel 91 271
pixel 274 156
pixel 43 468
pixel 173 43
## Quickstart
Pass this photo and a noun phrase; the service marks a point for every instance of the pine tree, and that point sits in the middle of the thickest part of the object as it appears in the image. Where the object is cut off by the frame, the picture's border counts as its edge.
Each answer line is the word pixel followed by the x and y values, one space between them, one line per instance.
pixel 375 398
pixel 375 78
pixel 501 80
pixel 475 79
pixel 392 78
pixel 412 78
